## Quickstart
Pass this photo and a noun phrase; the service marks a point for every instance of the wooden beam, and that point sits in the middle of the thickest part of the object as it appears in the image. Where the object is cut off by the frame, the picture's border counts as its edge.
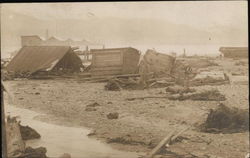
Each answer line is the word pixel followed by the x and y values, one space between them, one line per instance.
pixel 161 144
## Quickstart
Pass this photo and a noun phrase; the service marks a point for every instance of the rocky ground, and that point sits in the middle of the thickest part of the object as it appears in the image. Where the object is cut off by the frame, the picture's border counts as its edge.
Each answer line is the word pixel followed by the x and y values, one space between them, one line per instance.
pixel 142 123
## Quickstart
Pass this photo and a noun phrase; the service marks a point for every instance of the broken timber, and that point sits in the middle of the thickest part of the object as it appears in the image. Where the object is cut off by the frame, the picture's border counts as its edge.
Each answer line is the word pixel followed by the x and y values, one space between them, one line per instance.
pixel 146 97
pixel 167 140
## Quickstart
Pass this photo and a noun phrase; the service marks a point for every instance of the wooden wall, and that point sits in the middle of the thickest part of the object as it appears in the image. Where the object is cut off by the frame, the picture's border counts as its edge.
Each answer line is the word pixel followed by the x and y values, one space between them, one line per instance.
pixel 159 63
pixel 114 61
pixel 131 60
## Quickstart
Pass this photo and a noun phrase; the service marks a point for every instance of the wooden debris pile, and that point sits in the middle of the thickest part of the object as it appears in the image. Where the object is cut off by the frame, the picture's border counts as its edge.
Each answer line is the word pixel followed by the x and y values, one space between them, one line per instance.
pixel 119 84
pixel 30 152
pixel 210 78
pixel 179 90
pixel 208 95
pixel 226 120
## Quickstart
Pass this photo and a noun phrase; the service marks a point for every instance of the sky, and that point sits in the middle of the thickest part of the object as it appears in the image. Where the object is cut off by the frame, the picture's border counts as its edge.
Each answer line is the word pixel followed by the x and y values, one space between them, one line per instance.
pixel 206 16
pixel 200 14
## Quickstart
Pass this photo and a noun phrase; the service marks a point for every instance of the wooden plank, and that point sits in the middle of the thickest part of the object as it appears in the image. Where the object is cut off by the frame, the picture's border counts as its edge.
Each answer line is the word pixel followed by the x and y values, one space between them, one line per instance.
pixel 161 144
pixel 179 133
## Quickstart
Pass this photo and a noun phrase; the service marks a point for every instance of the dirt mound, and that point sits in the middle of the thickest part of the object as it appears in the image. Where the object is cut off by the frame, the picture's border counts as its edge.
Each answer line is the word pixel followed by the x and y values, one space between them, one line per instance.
pixel 34 153
pixel 226 120
pixel 28 133
pixel 209 95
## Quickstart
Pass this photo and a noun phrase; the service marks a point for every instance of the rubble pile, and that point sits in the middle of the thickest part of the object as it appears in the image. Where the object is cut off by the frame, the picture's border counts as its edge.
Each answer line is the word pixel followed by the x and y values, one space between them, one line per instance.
pixel 30 152
pixel 179 90
pixel 28 133
pixel 209 95
pixel 210 78
pixel 119 84
pixel 226 120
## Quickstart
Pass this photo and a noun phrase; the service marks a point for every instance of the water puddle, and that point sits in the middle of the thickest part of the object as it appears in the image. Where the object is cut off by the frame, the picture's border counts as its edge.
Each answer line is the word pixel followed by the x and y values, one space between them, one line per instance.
pixel 60 139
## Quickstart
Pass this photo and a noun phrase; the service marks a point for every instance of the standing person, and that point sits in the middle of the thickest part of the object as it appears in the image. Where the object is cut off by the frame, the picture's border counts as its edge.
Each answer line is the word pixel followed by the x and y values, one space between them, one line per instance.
pixel 187 72
pixel 143 71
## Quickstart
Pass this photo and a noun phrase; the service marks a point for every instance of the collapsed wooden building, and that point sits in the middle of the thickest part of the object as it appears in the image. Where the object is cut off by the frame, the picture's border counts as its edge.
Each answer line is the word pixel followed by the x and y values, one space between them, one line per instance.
pixel 45 59
pixel 114 61
pixel 158 63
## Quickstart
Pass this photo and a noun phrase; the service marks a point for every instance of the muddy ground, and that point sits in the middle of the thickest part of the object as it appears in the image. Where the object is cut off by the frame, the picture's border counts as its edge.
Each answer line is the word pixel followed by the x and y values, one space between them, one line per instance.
pixel 141 123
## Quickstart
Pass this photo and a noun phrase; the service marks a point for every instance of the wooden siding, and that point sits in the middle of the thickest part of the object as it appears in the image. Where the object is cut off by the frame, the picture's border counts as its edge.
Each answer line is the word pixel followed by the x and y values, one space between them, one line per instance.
pixel 114 61
pixel 130 60
pixel 159 63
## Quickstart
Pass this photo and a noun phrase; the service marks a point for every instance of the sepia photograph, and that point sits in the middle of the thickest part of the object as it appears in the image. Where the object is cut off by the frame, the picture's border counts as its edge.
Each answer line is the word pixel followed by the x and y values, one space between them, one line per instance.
pixel 152 79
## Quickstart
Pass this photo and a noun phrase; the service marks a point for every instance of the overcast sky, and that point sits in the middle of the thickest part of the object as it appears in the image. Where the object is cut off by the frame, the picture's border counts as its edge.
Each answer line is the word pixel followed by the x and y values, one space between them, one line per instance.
pixel 222 23
pixel 202 14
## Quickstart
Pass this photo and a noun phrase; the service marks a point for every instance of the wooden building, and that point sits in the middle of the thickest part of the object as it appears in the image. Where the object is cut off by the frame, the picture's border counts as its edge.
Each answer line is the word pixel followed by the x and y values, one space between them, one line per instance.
pixel 114 61
pixel 234 52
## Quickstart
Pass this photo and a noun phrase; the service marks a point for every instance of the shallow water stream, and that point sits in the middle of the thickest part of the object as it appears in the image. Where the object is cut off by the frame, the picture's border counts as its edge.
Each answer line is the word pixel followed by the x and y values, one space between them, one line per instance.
pixel 60 139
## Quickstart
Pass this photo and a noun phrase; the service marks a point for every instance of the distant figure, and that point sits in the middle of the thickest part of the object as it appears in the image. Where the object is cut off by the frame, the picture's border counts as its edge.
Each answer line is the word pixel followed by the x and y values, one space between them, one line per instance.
pixel 143 71
pixel 187 72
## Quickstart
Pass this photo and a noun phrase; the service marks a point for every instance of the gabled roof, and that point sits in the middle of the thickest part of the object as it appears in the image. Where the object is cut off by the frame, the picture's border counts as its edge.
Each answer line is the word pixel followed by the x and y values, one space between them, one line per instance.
pixel 34 58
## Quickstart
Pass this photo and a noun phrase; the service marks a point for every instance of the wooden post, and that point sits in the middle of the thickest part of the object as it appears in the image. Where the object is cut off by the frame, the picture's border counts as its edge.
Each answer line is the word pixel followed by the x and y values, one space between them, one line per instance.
pixel 4 142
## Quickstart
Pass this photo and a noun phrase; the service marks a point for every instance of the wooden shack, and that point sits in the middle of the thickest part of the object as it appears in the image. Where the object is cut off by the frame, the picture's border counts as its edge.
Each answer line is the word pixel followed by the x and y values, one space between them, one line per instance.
pixel 114 61
pixel 234 52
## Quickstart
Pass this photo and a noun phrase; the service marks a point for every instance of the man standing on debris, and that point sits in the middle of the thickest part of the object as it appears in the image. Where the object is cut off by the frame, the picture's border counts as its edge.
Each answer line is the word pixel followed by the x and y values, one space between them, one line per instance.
pixel 143 71
pixel 187 72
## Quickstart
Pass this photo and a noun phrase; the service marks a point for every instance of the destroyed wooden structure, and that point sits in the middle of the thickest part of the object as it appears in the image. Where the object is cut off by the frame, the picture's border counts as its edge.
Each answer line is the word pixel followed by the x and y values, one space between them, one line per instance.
pixel 114 61
pixel 44 59
pixel 158 63
pixel 234 52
